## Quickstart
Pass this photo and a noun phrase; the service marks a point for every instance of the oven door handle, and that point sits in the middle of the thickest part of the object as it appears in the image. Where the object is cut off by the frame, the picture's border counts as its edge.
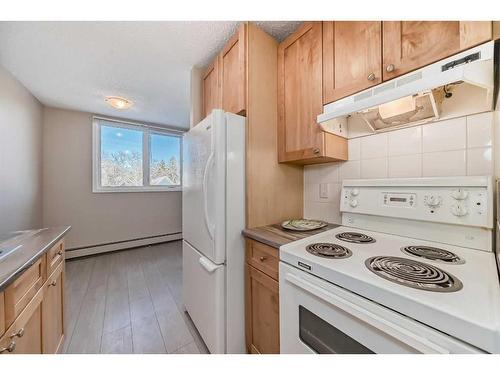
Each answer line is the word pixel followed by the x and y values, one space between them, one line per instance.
pixel 420 343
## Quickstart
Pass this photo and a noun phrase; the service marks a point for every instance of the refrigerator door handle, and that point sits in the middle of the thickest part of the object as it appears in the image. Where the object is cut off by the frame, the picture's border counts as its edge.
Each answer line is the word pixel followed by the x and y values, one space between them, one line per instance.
pixel 208 265
pixel 205 197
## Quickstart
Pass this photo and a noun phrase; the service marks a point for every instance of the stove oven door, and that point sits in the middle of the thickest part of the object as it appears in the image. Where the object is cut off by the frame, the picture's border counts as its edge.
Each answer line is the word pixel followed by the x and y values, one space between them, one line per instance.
pixel 319 317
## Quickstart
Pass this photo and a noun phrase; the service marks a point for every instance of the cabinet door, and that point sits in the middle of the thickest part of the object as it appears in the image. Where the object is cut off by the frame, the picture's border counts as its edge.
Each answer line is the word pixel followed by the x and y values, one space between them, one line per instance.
pixel 262 313
pixel 352 57
pixel 211 88
pixel 53 311
pixel 410 45
pixel 232 65
pixel 24 336
pixel 300 94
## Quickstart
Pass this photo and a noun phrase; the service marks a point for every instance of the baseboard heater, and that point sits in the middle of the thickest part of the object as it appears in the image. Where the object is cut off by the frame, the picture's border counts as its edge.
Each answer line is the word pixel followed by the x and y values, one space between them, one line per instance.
pixel 121 245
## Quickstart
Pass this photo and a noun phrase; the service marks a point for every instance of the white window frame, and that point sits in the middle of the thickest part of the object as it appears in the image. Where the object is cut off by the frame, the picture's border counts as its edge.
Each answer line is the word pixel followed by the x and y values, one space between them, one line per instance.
pixel 146 157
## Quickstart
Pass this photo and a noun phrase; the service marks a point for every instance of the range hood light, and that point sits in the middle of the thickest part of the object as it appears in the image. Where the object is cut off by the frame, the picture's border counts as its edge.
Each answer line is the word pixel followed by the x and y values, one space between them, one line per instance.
pixel 396 107
pixel 410 110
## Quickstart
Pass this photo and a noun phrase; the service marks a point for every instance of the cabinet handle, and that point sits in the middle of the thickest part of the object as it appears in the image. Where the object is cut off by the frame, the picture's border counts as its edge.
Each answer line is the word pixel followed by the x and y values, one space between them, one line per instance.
pixel 371 77
pixel 60 252
pixel 10 348
pixel 19 333
pixel 53 283
pixel 389 68
pixel 316 151
pixel 262 259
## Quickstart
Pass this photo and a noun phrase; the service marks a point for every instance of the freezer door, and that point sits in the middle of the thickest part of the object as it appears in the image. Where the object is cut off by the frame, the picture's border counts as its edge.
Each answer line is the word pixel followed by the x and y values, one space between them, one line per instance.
pixel 203 296
pixel 203 203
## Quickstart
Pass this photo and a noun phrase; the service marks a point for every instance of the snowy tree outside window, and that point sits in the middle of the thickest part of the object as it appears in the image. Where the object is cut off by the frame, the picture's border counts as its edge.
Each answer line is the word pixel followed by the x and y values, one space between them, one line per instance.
pixel 135 158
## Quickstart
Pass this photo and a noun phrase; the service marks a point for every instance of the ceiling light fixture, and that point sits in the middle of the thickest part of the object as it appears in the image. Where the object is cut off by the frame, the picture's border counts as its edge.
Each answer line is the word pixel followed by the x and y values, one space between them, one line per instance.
pixel 118 102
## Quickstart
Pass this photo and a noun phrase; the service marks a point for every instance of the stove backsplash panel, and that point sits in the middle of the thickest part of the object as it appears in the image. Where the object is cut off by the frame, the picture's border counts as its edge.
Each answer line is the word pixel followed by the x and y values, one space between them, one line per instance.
pixel 461 146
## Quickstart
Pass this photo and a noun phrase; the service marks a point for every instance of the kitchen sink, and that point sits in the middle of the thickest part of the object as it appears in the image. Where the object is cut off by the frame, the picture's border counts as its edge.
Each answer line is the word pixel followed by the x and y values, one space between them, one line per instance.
pixel 12 241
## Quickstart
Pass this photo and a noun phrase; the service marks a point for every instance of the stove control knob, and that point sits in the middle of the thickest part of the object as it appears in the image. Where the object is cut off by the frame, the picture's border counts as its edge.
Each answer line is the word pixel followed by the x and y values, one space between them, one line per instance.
pixel 459 210
pixel 434 201
pixel 354 192
pixel 460 194
pixel 353 203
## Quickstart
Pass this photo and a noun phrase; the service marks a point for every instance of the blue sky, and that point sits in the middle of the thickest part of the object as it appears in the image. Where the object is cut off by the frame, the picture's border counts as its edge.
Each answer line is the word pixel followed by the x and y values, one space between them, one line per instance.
pixel 120 139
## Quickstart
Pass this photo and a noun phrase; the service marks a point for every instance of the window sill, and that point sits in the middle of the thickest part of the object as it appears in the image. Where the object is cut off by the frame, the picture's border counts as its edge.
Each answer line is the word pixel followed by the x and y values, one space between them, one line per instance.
pixel 135 189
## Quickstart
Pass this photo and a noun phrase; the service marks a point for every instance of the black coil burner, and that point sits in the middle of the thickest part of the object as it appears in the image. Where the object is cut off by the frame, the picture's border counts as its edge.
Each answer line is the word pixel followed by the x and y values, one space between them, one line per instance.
pixel 329 250
pixel 355 237
pixel 414 274
pixel 433 253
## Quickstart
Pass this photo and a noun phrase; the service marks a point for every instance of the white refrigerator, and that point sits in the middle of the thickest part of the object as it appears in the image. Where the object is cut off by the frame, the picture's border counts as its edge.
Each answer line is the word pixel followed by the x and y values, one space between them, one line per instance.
pixel 213 216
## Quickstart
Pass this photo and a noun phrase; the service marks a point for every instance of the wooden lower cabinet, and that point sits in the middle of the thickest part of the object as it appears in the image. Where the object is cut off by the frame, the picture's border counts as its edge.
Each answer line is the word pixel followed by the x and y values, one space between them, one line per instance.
pixel 24 336
pixel 2 315
pixel 53 312
pixel 32 307
pixel 262 312
pixel 21 291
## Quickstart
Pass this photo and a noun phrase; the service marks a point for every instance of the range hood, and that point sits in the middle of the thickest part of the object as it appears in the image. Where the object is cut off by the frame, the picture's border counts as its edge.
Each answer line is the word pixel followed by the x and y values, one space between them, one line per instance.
pixel 416 97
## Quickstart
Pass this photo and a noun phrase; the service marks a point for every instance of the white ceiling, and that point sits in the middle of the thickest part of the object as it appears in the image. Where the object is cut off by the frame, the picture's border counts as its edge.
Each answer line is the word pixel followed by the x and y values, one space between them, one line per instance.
pixel 75 65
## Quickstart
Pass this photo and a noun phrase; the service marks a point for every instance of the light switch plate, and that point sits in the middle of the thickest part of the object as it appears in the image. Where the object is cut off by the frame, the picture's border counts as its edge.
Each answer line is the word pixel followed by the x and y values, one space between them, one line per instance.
pixel 323 191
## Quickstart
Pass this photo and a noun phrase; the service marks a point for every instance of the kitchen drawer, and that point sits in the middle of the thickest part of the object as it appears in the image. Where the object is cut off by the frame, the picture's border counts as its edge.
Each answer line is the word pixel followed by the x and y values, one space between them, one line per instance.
pixel 22 290
pixel 54 257
pixel 25 335
pixel 263 257
pixel 2 315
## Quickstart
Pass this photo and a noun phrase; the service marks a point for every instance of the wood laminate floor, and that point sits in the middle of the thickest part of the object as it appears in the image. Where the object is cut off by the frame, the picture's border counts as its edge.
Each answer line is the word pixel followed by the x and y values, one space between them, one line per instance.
pixel 129 302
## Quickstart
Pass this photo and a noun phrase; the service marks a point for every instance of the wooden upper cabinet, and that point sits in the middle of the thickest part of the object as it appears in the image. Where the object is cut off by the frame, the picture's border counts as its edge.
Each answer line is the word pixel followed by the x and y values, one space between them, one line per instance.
pixel 224 82
pixel 300 100
pixel 352 59
pixel 211 90
pixel 232 64
pixel 410 45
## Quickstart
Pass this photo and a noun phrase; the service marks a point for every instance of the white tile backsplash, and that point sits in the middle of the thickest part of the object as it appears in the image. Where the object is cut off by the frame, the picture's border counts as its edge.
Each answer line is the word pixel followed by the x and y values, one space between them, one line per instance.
pixel 405 166
pixel 456 147
pixel 350 169
pixel 405 141
pixel 480 130
pixel 446 163
pixel 374 146
pixel 479 161
pixel 328 173
pixel 374 168
pixel 444 135
pixel 354 149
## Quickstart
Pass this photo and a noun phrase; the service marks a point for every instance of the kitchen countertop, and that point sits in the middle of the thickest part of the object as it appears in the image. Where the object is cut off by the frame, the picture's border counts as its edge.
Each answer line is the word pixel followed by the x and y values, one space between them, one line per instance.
pixel 275 236
pixel 31 248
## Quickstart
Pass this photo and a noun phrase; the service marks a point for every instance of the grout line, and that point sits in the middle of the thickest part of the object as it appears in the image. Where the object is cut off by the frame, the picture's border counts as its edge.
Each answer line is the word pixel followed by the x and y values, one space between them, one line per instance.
pixel 105 303
pixel 81 306
pixel 127 270
pixel 154 308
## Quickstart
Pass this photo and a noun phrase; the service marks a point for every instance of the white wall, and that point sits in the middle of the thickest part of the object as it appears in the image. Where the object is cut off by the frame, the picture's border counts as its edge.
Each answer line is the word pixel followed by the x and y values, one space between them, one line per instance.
pixel 96 218
pixel 455 147
pixel 20 156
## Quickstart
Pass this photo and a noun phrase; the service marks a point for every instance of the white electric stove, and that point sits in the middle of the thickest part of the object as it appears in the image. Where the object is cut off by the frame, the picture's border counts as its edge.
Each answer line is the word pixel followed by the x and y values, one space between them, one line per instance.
pixel 411 270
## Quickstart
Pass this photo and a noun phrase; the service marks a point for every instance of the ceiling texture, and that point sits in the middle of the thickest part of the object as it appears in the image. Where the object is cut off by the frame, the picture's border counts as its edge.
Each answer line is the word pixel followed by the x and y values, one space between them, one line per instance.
pixel 74 65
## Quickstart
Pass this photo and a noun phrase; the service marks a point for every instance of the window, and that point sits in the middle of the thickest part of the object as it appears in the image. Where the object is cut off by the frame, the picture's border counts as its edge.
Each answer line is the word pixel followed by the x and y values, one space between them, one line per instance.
pixel 134 157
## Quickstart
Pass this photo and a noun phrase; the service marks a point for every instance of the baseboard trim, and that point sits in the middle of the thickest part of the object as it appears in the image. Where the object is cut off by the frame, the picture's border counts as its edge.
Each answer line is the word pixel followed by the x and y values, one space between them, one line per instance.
pixel 121 245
